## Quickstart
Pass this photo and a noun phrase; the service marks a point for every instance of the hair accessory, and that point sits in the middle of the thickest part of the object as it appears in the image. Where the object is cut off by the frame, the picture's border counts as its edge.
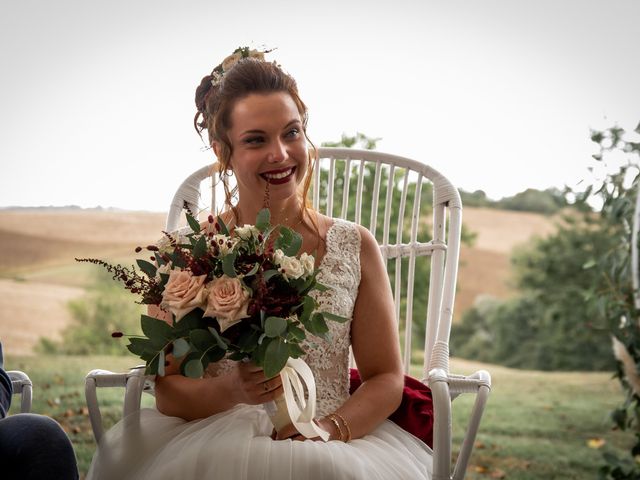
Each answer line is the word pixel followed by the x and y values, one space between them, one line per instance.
pixel 237 55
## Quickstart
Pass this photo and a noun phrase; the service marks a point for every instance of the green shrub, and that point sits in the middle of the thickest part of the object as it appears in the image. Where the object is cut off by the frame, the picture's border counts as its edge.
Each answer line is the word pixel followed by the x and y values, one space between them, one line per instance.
pixel 105 308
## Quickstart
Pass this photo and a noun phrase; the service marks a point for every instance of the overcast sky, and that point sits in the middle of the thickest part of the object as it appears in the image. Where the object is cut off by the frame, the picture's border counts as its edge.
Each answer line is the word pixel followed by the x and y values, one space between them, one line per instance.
pixel 96 97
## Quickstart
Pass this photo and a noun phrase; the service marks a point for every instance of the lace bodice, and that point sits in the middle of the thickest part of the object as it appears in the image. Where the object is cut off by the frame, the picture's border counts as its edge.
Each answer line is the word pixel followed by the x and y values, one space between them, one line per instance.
pixel 329 361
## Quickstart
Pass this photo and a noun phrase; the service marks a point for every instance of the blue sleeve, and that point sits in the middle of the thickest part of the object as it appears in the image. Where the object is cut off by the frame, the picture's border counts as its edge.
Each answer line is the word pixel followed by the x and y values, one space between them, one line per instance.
pixel 6 389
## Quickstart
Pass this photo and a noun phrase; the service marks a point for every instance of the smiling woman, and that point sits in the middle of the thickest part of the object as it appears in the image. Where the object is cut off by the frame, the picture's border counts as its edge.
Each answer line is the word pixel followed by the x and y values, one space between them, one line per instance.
pixel 256 124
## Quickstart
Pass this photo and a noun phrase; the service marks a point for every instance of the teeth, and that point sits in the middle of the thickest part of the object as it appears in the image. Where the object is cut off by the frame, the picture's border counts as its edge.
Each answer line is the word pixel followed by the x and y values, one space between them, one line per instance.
pixel 276 176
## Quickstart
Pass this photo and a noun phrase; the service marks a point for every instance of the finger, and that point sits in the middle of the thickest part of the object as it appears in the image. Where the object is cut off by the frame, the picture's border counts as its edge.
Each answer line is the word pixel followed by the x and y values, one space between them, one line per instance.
pixel 249 367
pixel 266 396
pixel 270 385
pixel 288 431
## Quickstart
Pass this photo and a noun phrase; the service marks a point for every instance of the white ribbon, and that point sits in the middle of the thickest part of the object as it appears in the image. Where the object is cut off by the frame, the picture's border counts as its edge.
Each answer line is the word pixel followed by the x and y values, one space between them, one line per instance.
pixel 301 410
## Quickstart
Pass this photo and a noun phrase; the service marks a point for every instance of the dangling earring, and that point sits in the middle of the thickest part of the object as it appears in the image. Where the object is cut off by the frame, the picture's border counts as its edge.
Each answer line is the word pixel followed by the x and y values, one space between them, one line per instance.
pixel 266 198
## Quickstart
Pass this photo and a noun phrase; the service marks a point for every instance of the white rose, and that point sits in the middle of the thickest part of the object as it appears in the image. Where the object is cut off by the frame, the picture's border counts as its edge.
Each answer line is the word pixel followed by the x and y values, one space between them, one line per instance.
pixel 291 267
pixel 278 256
pixel 247 232
pixel 230 61
pixel 225 243
pixel 308 263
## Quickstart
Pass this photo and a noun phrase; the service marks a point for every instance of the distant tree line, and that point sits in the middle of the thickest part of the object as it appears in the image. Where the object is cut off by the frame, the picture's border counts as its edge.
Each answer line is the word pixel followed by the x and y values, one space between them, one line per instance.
pixel 548 201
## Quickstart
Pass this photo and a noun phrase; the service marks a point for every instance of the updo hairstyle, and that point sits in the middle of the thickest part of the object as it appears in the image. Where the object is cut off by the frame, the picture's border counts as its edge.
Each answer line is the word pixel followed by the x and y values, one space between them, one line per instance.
pixel 216 97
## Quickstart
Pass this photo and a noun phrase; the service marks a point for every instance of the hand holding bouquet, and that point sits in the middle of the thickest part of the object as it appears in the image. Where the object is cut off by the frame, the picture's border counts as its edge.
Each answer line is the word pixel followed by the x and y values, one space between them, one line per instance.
pixel 240 294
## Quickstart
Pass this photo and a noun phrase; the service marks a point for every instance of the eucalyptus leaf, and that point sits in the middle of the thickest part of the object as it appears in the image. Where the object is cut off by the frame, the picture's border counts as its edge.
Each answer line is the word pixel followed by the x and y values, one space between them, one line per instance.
pixel 157 331
pixel 275 358
pixel 258 354
pixel 200 247
pixel 161 361
pixel 294 245
pixel 219 340
pixel 248 341
pixel 192 320
pixel 138 346
pixel 177 260
pixel 159 260
pixel 152 366
pixel 215 354
pixel 320 287
pixel 193 223
pixel 194 369
pixel 228 265
pixel 147 267
pixel 284 239
pixel 201 339
pixel 180 347
pixel 308 305
pixel 318 325
pixel 164 278
pixel 269 274
pixel 295 351
pixel 263 220
pixel 335 318
pixel 275 326
pixel 297 332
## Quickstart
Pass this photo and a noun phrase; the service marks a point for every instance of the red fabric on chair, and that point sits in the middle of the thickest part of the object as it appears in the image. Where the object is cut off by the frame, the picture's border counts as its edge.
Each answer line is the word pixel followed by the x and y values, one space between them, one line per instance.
pixel 415 413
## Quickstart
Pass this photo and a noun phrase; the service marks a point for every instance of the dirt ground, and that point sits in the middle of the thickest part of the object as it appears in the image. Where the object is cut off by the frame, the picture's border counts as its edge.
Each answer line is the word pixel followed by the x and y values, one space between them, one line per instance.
pixel 38 274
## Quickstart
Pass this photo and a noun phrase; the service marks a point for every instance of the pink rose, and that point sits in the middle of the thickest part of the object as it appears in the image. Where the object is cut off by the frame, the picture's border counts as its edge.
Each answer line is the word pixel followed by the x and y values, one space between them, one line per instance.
pixel 183 292
pixel 227 301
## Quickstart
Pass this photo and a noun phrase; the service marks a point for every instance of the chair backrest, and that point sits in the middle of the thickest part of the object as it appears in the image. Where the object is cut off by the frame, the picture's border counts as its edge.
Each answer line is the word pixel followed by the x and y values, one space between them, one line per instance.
pixel 415 214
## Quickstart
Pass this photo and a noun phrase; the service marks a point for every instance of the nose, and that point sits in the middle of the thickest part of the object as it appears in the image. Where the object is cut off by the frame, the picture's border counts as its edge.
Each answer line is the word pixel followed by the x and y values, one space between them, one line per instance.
pixel 277 152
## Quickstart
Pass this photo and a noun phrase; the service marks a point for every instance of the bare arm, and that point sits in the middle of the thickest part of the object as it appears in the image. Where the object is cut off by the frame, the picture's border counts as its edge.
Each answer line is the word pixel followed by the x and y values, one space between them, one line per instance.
pixel 192 398
pixel 375 346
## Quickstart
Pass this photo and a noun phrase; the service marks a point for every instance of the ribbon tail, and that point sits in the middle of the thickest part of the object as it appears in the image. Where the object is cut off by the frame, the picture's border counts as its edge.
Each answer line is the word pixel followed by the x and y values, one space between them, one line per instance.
pixel 302 411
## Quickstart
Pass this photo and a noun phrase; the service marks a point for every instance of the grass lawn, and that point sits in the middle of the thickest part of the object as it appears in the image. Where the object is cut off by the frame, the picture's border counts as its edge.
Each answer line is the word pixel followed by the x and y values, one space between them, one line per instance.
pixel 536 425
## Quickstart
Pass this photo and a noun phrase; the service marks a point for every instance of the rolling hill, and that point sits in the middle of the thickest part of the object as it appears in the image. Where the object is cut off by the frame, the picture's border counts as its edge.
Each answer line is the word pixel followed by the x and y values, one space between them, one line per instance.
pixel 38 273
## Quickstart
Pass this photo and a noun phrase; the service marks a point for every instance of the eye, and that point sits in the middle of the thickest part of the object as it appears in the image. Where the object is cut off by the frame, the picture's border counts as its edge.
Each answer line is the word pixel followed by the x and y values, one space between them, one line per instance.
pixel 293 133
pixel 253 140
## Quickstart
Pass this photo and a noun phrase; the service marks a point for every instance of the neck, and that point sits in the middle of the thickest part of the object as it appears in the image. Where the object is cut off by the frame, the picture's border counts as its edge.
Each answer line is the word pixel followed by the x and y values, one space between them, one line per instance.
pixel 286 212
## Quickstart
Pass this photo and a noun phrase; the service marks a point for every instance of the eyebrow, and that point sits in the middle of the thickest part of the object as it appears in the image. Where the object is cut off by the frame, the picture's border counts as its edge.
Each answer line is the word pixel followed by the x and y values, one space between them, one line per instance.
pixel 292 122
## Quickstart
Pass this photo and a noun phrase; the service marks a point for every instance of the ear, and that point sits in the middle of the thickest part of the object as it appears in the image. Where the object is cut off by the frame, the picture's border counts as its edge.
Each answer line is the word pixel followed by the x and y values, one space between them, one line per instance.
pixel 216 148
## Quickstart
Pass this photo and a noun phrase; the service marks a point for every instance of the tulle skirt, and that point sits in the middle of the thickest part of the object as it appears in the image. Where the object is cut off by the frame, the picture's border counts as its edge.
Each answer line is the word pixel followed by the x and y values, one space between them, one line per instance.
pixel 236 445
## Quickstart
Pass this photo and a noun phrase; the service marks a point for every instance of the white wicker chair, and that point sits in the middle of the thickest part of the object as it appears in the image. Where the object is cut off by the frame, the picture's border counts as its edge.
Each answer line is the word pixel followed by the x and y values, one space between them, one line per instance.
pixel 21 386
pixel 374 176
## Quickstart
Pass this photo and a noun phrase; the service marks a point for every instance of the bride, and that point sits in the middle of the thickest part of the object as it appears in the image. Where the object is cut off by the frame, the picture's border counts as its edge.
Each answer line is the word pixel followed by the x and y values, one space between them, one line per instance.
pixel 215 427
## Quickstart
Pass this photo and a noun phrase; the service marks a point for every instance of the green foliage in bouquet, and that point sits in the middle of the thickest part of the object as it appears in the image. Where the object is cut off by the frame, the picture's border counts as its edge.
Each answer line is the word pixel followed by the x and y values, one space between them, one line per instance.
pixel 243 294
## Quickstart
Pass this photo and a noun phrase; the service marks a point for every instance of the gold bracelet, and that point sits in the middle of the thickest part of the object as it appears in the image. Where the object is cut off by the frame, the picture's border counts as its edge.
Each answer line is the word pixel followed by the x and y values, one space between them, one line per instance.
pixel 346 425
pixel 332 417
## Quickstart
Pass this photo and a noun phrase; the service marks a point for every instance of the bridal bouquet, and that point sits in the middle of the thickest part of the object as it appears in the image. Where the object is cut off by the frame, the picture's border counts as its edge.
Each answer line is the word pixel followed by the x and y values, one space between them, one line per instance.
pixel 243 294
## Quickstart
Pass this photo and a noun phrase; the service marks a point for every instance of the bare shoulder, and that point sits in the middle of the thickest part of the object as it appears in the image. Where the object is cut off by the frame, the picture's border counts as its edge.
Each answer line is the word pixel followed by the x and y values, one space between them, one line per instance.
pixel 368 244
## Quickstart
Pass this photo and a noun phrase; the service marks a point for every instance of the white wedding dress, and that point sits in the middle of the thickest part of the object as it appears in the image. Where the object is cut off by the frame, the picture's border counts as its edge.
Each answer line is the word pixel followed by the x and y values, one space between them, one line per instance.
pixel 236 444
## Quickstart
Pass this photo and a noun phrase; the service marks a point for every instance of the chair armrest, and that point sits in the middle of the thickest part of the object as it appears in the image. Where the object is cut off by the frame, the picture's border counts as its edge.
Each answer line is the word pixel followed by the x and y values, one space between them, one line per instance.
pixel 22 385
pixel 444 388
pixel 134 382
